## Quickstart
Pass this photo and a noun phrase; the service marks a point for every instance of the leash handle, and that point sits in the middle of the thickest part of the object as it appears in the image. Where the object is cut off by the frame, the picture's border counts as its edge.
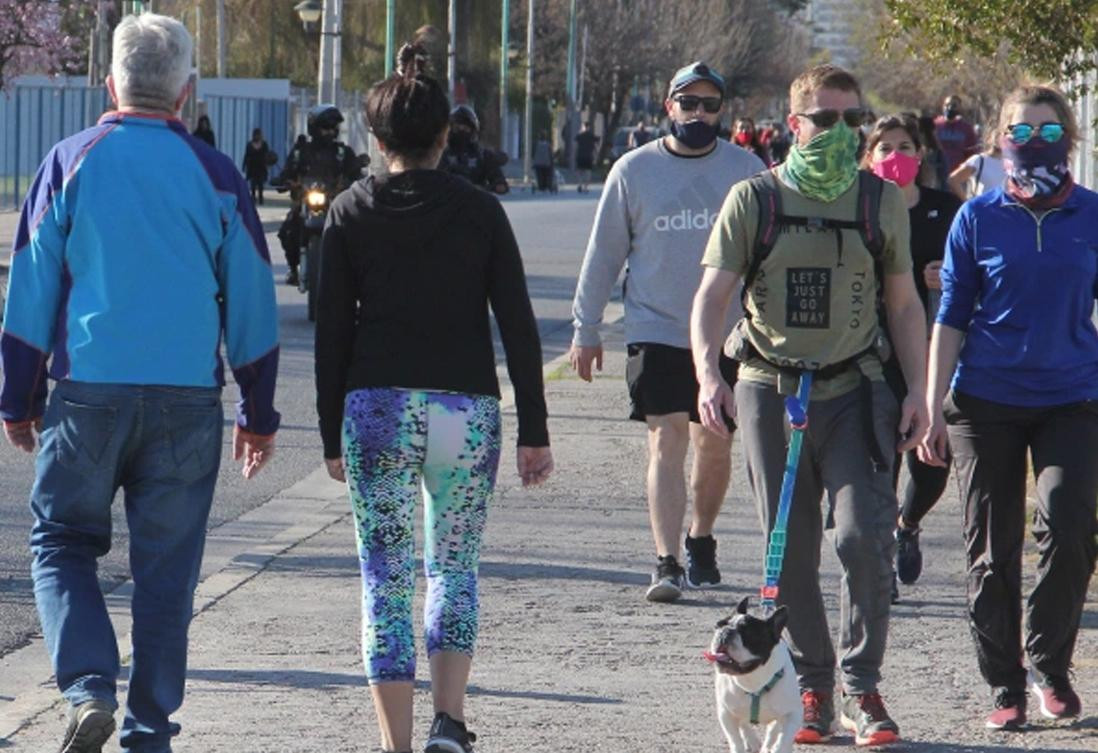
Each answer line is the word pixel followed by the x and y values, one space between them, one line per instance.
pixel 797 412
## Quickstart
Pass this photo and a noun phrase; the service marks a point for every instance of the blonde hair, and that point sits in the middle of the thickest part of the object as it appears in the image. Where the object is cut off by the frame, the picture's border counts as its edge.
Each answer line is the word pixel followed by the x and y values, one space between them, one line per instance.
pixel 824 76
pixel 1041 94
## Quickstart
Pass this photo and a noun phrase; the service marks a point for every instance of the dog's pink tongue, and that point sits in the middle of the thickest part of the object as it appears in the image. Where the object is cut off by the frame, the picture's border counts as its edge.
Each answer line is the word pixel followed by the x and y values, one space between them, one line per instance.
pixel 711 657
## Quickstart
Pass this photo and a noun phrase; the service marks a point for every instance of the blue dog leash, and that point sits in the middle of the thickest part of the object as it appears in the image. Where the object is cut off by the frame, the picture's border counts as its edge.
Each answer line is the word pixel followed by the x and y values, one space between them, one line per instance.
pixel 796 408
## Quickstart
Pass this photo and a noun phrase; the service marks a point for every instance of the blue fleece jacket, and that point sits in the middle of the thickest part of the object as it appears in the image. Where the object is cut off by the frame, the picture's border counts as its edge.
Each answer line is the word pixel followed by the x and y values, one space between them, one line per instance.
pixel 137 250
pixel 1022 288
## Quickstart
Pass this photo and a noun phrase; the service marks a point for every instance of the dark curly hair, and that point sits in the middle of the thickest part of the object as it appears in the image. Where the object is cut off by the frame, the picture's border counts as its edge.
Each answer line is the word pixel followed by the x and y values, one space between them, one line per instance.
pixel 408 110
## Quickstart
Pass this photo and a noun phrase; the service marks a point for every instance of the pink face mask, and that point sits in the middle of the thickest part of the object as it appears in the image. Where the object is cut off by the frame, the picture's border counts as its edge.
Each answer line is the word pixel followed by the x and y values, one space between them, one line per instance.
pixel 898 167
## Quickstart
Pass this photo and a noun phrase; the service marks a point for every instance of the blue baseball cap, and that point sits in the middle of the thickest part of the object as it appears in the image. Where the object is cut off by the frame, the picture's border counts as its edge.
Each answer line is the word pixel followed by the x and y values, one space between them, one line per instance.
pixel 689 74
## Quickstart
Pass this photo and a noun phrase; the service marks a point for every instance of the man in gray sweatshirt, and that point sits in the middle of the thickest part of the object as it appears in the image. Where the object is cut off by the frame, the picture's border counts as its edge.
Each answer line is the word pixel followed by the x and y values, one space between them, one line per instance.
pixel 658 205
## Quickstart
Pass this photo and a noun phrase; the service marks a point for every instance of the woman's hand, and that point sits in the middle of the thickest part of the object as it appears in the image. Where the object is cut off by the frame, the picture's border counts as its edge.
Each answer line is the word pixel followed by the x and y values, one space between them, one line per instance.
pixel 335 469
pixel 932 275
pixel 534 464
pixel 934 449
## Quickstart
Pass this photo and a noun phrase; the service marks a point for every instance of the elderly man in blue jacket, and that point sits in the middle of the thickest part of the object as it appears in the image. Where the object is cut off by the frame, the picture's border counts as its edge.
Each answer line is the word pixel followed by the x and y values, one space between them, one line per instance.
pixel 127 276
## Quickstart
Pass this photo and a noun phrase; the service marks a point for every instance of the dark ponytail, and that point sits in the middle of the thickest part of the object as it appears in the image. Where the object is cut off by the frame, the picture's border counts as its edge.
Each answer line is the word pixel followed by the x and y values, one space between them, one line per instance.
pixel 409 109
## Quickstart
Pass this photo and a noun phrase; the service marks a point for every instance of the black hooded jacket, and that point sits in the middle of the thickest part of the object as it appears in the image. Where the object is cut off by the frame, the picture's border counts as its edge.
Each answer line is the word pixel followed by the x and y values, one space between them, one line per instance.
pixel 409 266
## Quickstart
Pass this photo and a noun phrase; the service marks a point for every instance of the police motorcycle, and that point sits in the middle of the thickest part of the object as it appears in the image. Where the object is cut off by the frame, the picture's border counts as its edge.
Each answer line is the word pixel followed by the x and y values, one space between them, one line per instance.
pixel 316 171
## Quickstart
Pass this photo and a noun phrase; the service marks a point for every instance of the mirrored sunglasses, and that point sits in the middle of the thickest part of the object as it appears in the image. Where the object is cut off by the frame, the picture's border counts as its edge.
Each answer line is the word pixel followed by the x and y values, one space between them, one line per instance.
pixel 1020 133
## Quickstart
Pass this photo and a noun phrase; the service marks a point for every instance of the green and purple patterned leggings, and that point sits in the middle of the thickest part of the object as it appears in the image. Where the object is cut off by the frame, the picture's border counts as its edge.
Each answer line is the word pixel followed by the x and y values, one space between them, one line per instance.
pixel 396 441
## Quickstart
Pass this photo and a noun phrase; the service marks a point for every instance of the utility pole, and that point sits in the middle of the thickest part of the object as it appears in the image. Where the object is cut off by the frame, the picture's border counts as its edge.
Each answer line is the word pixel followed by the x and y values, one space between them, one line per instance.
pixel 328 80
pixel 451 54
pixel 504 61
pixel 570 91
pixel 528 126
pixel 582 69
pixel 221 38
pixel 390 32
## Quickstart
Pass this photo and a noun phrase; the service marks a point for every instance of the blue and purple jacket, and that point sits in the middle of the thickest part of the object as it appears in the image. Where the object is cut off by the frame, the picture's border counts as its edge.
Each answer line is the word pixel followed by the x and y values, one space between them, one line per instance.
pixel 137 249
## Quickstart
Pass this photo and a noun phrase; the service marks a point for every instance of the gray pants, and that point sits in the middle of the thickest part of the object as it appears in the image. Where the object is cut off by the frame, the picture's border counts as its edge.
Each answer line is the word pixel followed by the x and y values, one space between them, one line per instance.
pixel 834 459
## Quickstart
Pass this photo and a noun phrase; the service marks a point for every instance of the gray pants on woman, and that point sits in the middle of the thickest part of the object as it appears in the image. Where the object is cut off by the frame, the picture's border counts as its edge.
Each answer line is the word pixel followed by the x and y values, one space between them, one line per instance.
pixel 835 459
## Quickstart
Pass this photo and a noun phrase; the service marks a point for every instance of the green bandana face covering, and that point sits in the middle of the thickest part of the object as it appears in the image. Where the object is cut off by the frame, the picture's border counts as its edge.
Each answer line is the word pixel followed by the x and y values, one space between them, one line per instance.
pixel 825 167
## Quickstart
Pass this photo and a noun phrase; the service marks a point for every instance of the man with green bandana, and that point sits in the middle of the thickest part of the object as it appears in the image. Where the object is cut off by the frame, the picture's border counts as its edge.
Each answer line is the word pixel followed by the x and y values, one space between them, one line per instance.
pixel 812 305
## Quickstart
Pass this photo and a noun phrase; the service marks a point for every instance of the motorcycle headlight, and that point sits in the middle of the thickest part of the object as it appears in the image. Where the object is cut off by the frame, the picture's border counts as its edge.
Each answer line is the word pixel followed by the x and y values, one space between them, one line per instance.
pixel 316 199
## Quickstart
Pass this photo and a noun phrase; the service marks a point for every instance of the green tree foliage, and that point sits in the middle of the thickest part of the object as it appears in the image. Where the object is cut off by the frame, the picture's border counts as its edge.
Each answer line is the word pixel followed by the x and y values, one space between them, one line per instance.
pixel 1054 39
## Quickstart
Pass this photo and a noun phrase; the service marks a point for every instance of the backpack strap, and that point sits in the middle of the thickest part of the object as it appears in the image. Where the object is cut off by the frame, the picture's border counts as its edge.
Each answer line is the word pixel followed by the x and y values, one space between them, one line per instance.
pixel 870 188
pixel 768 197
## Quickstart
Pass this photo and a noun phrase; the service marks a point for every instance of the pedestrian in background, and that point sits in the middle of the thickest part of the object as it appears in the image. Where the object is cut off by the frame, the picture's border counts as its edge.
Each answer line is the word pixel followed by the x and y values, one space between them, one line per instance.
pixel 256 161
pixel 656 209
pixel 980 172
pixel 203 130
pixel 128 275
pixel 408 396
pixel 745 135
pixel 586 141
pixel 543 162
pixel 956 135
pixel 894 151
pixel 1014 376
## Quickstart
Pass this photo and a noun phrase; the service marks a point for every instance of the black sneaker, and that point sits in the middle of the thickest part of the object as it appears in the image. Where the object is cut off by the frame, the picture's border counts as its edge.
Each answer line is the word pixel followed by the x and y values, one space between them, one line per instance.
pixel 90 725
pixel 291 276
pixel 701 561
pixel 895 589
pixel 668 581
pixel 448 735
pixel 909 558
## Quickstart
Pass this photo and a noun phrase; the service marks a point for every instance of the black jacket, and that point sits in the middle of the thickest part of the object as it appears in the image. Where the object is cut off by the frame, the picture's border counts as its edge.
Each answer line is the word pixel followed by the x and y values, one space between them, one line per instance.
pixel 409 266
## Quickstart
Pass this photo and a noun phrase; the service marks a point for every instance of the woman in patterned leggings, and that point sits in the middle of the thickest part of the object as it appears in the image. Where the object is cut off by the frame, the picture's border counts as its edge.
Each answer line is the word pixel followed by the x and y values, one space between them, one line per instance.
pixel 408 396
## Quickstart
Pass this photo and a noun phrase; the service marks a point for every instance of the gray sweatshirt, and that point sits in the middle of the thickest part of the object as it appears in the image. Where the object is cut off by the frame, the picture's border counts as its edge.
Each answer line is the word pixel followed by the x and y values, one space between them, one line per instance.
pixel 654 218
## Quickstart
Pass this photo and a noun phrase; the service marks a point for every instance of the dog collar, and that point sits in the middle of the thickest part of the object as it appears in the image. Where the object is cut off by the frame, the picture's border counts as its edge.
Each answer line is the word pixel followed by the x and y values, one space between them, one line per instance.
pixel 756 698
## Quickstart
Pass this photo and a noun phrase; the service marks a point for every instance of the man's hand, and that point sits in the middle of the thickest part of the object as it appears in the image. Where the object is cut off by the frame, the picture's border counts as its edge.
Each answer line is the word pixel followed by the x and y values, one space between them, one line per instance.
pixel 932 275
pixel 581 357
pixel 715 401
pixel 913 421
pixel 255 450
pixel 22 434
pixel 534 464
pixel 335 469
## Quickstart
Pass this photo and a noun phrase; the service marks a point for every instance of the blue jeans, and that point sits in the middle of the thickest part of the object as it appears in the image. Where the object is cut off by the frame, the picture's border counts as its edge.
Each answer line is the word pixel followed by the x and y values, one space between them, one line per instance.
pixel 162 447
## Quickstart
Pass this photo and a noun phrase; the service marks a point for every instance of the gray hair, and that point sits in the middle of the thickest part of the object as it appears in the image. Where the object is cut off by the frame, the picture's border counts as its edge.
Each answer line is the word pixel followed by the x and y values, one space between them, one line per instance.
pixel 151 61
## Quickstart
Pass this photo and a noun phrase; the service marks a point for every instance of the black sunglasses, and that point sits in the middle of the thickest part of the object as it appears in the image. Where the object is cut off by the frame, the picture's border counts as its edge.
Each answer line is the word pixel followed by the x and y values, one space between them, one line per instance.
pixel 853 117
pixel 690 102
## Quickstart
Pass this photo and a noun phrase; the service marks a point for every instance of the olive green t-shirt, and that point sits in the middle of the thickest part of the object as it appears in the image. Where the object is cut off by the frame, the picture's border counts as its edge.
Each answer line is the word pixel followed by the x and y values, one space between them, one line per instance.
pixel 813 300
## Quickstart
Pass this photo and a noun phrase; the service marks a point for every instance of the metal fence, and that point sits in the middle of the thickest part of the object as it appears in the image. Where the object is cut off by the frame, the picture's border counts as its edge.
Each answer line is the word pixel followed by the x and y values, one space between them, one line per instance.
pixel 32 120
pixel 233 118
pixel 35 117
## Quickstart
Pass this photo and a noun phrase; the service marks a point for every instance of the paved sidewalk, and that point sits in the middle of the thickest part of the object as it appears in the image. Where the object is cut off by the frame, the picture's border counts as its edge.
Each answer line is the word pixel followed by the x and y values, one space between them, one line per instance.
pixel 570 658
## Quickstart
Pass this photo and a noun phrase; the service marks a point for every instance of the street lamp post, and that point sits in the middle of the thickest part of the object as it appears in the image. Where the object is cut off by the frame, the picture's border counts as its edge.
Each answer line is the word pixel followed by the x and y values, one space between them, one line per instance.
pixel 528 126
pixel 504 53
pixel 390 32
pixel 329 13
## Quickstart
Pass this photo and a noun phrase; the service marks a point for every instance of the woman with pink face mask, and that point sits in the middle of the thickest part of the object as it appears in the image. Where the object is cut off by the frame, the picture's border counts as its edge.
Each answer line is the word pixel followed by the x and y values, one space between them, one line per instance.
pixel 894 152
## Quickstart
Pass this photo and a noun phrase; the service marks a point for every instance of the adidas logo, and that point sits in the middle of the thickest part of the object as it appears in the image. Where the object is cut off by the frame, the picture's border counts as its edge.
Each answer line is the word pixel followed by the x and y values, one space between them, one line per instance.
pixel 687 219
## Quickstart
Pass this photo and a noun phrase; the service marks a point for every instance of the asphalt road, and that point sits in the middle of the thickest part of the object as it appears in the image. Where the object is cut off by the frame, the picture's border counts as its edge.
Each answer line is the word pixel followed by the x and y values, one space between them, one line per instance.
pixel 552 233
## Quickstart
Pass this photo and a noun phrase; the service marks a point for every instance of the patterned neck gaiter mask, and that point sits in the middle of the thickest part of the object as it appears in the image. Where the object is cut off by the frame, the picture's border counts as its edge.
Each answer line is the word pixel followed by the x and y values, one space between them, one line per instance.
pixel 825 167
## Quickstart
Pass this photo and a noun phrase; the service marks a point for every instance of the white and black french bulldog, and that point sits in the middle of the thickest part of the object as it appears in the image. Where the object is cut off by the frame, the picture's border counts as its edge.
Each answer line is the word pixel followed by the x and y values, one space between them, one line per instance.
pixel 755 682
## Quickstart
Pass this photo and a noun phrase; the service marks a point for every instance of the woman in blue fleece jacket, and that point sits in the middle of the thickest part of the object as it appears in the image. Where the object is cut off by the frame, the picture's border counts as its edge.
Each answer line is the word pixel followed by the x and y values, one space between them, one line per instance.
pixel 1016 346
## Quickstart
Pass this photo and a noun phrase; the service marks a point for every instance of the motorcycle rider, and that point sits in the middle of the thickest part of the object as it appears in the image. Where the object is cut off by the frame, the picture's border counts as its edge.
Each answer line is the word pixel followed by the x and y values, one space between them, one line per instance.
pixel 323 158
pixel 466 157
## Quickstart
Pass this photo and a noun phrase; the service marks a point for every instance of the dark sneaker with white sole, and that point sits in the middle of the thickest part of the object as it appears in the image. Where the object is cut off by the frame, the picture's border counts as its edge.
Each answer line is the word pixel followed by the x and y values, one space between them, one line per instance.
pixel 909 557
pixel 668 581
pixel 701 562
pixel 90 725
pixel 448 735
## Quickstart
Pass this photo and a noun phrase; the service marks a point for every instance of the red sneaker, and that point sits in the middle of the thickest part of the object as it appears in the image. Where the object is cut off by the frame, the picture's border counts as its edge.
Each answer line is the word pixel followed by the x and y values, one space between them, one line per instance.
pixel 1056 698
pixel 865 716
pixel 819 717
pixel 1010 711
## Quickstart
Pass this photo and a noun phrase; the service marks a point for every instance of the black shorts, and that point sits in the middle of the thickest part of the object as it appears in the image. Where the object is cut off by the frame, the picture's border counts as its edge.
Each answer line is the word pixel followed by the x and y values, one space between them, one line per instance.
pixel 661 380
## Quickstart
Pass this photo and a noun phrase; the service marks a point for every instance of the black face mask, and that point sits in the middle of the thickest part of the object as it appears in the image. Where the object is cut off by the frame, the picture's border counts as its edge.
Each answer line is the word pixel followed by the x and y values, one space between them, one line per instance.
pixel 460 139
pixel 695 134
pixel 951 112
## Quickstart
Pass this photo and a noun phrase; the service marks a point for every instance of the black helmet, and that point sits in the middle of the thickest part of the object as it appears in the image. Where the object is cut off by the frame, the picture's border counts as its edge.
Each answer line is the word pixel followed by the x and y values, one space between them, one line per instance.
pixel 464 115
pixel 324 117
